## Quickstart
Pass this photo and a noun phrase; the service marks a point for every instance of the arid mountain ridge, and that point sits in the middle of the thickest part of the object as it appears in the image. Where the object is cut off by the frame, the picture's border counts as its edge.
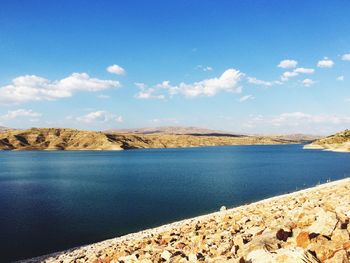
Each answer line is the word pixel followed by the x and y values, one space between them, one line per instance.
pixel 72 139
pixel 339 142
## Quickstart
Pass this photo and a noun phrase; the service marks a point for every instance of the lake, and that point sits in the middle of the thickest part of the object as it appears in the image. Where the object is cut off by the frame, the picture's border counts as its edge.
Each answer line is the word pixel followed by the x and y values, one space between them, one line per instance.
pixel 51 201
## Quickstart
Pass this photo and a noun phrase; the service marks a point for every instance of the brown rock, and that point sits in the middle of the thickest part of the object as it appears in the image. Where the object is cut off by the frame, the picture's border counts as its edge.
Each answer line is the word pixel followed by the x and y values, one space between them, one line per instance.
pixel 303 239
pixel 283 235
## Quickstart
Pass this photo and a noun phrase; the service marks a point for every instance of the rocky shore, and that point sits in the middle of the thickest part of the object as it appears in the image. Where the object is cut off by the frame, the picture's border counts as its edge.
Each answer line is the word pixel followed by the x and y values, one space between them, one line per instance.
pixel 311 225
pixel 339 142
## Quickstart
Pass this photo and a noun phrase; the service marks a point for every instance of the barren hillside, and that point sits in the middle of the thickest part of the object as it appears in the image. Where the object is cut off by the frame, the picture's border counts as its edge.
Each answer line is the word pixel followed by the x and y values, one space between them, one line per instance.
pixel 338 142
pixel 71 139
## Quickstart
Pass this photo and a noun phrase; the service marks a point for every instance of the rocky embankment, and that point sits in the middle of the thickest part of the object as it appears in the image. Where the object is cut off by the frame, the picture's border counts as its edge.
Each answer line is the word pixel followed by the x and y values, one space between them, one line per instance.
pixel 306 226
pixel 339 142
pixel 71 139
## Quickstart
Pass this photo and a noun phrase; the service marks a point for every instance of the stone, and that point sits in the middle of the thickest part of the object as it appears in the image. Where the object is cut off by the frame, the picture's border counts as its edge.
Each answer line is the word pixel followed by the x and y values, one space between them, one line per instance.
pixel 283 235
pixel 302 239
pixel 223 208
pixel 166 255
pixel 325 223
pixel 339 257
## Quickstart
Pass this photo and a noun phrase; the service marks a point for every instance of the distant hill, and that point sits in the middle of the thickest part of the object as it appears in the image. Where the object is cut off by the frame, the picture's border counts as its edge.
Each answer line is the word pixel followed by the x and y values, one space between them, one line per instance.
pixel 168 130
pixel 303 138
pixel 338 142
pixel 4 129
pixel 72 139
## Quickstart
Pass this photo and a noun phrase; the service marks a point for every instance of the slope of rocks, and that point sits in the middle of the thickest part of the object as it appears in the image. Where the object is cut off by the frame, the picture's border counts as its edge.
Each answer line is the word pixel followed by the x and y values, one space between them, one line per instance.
pixel 71 139
pixel 339 142
pixel 307 226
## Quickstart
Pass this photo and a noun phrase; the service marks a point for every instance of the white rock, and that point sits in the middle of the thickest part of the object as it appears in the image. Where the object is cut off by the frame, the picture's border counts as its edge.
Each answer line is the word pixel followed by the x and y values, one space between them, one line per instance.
pixel 165 255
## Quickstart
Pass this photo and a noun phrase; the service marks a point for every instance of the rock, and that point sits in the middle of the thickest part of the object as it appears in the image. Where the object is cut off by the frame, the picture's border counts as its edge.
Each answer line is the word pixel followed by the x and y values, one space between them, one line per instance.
pixel 223 208
pixel 192 257
pixel 325 223
pixel 339 257
pixel 283 235
pixel 302 239
pixel 166 255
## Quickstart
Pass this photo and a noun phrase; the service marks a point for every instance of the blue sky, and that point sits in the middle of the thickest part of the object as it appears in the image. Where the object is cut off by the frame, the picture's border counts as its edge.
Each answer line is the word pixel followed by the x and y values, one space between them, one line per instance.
pixel 241 66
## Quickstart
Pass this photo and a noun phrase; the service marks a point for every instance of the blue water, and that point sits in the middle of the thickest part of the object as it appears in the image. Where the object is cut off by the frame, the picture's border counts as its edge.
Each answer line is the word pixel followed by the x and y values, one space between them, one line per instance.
pixel 51 201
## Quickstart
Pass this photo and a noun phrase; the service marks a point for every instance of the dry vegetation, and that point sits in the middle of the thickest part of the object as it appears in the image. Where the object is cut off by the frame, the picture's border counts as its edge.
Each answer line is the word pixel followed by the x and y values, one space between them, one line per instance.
pixel 338 142
pixel 71 139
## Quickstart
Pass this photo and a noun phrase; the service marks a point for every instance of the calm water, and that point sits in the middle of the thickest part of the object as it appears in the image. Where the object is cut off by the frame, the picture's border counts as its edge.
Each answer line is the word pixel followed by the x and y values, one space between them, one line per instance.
pixel 51 201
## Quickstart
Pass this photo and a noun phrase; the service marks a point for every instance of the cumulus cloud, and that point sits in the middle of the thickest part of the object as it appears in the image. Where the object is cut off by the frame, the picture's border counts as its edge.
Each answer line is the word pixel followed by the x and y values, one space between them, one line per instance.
pixel 346 57
pixel 288 63
pixel 146 92
pixel 289 74
pixel 227 82
pixel 340 78
pixel 13 114
pixel 116 69
pixel 308 82
pixel 34 88
pixel 246 97
pixel 100 116
pixel 325 63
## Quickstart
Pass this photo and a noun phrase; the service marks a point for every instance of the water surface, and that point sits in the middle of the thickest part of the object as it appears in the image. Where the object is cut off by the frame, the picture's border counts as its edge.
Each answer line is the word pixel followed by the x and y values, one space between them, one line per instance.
pixel 51 201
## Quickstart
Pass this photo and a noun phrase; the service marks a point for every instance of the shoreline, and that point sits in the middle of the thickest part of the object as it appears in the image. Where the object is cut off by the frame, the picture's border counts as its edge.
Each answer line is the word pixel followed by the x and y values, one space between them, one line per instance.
pixel 132 149
pixel 81 251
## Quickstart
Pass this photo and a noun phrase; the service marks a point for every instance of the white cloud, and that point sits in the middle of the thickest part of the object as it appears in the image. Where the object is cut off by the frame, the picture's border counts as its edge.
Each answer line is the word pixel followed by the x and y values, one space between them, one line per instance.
pixel 298 122
pixel 346 57
pixel 246 97
pixel 304 70
pixel 288 63
pixel 100 116
pixel 116 69
pixel 340 78
pixel 256 81
pixel 147 93
pixel 204 68
pixel 288 74
pixel 325 63
pixel 10 115
pixel 308 82
pixel 228 82
pixel 34 88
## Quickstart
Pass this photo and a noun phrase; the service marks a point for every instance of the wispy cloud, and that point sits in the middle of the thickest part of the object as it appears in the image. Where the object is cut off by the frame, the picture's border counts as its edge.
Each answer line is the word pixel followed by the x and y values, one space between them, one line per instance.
pixel 340 78
pixel 34 88
pixel 103 96
pixel 99 116
pixel 246 97
pixel 14 114
pixel 260 82
pixel 204 68
pixel 298 122
pixel 346 57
